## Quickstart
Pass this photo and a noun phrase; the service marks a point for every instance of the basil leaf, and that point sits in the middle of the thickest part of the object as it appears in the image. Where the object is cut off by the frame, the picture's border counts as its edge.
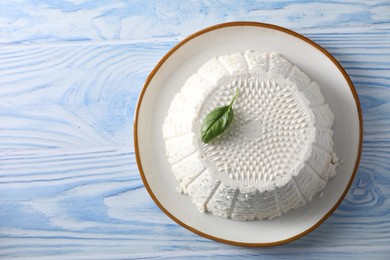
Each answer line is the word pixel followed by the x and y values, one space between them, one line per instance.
pixel 217 121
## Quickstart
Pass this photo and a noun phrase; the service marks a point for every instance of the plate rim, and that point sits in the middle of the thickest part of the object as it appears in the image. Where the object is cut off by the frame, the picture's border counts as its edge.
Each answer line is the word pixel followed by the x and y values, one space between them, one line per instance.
pixel 253 24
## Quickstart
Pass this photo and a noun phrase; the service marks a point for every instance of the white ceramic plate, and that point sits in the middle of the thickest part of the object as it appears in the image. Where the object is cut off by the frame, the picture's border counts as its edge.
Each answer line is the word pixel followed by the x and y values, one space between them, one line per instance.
pixel 169 76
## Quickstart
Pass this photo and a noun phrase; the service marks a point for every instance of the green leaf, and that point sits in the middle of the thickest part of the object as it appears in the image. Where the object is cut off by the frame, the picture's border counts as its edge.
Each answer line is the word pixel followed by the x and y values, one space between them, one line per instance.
pixel 217 121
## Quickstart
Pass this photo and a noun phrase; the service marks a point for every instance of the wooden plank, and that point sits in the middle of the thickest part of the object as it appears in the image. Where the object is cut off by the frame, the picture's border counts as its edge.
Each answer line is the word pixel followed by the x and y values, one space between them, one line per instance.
pixel 72 96
pixel 78 20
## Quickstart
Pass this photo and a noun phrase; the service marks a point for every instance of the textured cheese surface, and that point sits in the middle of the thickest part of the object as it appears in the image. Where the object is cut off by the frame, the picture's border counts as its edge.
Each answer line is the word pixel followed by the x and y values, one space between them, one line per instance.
pixel 276 155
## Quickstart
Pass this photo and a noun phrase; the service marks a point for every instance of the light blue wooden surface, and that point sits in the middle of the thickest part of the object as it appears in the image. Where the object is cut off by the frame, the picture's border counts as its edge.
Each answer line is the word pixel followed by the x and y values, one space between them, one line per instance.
pixel 70 75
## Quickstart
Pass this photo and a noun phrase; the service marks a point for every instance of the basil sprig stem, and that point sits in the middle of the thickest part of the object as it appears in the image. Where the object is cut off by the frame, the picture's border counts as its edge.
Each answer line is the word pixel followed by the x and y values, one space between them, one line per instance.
pixel 217 121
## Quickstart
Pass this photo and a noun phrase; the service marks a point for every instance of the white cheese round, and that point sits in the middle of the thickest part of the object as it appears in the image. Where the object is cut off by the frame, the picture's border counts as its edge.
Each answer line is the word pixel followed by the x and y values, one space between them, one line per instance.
pixel 278 151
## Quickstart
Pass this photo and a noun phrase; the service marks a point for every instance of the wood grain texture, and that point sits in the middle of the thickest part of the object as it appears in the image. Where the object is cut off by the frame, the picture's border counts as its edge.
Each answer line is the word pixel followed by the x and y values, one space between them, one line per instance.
pixel 45 21
pixel 69 185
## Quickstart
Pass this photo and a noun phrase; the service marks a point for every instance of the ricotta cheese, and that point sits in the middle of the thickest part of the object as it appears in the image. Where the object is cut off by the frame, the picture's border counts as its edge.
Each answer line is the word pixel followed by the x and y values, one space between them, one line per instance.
pixel 275 156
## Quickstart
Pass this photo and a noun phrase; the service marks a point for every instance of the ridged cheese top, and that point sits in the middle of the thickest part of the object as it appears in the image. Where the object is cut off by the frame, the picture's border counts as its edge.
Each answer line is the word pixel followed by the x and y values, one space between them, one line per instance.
pixel 269 138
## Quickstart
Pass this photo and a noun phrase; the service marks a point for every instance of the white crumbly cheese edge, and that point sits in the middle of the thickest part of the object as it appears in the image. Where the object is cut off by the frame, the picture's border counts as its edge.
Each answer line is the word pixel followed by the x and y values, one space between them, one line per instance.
pixel 244 197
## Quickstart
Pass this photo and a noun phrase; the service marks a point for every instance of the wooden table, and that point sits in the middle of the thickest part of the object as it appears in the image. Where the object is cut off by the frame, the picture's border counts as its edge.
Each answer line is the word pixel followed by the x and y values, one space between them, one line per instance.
pixel 70 74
